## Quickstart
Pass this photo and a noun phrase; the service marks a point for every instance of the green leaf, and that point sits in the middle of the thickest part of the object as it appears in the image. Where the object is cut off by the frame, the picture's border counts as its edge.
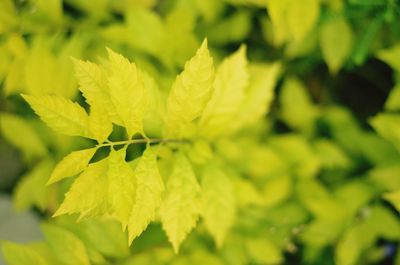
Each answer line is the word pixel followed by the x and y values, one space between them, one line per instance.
pixel 190 92
pixel 89 192
pixel 20 133
pixel 336 41
pixel 180 208
pixel 217 203
pixel 121 186
pixel 61 114
pixel 15 254
pixel 65 245
pixel 71 165
pixel 148 193
pixel 127 93
pixel 230 84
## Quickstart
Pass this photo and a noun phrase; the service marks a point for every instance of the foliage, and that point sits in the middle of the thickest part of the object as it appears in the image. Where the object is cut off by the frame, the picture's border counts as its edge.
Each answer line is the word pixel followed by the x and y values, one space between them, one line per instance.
pixel 203 131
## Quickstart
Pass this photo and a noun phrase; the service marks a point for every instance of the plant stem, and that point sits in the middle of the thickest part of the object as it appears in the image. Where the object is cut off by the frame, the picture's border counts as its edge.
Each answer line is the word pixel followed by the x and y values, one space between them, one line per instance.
pixel 143 141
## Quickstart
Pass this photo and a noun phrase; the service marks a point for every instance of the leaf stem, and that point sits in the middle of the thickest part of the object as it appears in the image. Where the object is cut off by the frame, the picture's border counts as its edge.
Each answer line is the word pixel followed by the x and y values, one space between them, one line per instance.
pixel 142 141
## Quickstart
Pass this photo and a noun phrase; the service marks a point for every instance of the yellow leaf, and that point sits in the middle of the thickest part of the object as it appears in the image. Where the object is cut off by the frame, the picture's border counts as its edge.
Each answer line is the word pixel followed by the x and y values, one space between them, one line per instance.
pixel 230 83
pixel 298 110
pixel 277 11
pixel 88 194
pixel 31 190
pixel 71 165
pixel 263 251
pixel 336 41
pixel 20 133
pixel 155 111
pixel 99 123
pixel 127 93
pixel 65 246
pixel 394 198
pixel 61 114
pixel 121 186
pixel 93 85
pixel 190 92
pixel 259 95
pixel 217 203
pixel 391 56
pixel 148 193
pixel 179 210
pixel 302 17
pixel 15 254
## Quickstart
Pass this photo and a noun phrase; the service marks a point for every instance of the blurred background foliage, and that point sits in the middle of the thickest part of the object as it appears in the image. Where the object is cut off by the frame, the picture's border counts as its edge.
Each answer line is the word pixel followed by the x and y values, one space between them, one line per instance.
pixel 316 182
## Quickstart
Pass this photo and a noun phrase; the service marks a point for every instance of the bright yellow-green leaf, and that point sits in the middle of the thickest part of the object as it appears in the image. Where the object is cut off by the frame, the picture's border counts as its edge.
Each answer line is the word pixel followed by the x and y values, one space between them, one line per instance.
pixel 71 165
pixel 388 126
pixel 155 111
pixel 230 84
pixel 292 19
pixel 263 251
pixel 277 190
pixel 298 110
pixel 100 125
pixel 217 203
pixel 15 254
pixel 302 17
pixel 50 8
pixel 179 210
pixel 127 93
pixel 277 11
pixel 8 16
pixel 393 101
pixel 148 193
pixel 260 93
pixel 93 85
pixel 61 114
pixel 31 190
pixel 394 198
pixel 246 193
pixel 391 56
pixel 146 30
pixel 20 133
pixel 121 185
pixel 46 72
pixel 190 92
pixel 336 41
pixel 65 246
pixel 105 235
pixel 348 249
pixel 89 193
